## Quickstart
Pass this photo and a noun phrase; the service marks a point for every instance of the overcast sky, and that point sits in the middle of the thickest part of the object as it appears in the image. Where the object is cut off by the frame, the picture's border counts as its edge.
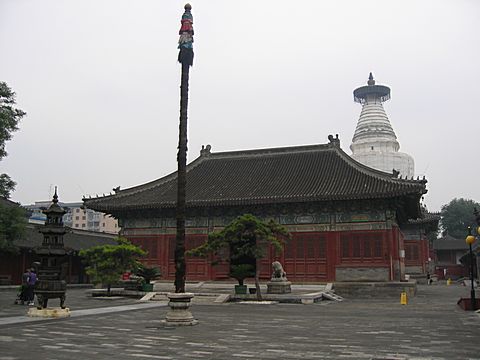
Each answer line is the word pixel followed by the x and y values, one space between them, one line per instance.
pixel 100 84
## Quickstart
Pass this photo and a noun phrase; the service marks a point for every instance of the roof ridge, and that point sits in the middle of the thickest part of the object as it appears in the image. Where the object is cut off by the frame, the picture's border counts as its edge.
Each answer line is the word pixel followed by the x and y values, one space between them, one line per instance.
pixel 270 151
pixel 151 184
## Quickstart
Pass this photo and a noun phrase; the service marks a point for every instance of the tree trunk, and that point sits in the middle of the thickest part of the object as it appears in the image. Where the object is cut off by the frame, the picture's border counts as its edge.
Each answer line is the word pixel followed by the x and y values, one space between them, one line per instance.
pixel 180 266
pixel 257 280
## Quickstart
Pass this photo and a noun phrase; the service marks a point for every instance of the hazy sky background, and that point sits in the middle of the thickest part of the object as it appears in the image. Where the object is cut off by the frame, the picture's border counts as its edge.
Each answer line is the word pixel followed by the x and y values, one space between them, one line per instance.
pixel 100 83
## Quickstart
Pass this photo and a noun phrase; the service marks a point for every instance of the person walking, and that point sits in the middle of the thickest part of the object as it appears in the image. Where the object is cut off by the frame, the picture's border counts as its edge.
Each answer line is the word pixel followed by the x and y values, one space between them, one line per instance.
pixel 31 287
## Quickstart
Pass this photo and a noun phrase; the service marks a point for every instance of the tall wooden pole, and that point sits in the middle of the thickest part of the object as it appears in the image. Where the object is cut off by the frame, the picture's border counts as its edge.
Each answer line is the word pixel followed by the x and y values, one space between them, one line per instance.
pixel 185 57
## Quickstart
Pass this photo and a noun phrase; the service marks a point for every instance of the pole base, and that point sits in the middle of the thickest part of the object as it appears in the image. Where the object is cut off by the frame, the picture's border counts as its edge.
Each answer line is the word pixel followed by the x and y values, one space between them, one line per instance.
pixel 179 313
pixel 55 312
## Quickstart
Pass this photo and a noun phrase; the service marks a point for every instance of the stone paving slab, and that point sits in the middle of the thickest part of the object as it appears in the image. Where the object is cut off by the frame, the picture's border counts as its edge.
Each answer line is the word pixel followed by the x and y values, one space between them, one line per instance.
pixel 76 299
pixel 22 319
pixel 431 326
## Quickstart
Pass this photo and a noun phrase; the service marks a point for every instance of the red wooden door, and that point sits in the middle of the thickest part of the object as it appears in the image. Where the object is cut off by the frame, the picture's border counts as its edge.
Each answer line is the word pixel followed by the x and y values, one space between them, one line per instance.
pixel 306 257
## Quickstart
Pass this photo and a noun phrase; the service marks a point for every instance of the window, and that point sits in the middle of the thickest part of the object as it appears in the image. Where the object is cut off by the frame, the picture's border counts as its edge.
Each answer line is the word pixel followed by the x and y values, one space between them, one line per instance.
pixel 411 252
pixel 103 224
pixel 171 248
pixel 83 218
pixel 415 253
pixel 300 252
pixel 83 225
pixel 76 225
pixel 310 248
pixel 321 248
pixel 378 247
pixel 77 210
pixel 367 251
pixel 289 250
pixel 77 218
pixel 356 246
pixel 345 246
pixel 359 247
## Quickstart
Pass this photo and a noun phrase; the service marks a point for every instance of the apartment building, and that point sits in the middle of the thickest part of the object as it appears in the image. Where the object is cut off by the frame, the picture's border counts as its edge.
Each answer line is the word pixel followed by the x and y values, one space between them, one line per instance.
pixel 77 217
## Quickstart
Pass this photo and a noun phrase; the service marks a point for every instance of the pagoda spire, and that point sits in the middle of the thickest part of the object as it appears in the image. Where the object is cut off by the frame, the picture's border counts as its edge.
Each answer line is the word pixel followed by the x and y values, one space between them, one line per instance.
pixel 375 143
pixel 55 196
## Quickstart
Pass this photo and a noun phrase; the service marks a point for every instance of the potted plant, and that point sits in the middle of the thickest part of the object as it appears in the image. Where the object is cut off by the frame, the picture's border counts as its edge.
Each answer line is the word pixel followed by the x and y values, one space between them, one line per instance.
pixel 149 274
pixel 240 272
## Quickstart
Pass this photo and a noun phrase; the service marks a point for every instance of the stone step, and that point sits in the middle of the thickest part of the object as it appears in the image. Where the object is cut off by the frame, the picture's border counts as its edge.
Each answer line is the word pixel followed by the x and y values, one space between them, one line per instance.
pixel 222 298
pixel 332 296
pixel 148 296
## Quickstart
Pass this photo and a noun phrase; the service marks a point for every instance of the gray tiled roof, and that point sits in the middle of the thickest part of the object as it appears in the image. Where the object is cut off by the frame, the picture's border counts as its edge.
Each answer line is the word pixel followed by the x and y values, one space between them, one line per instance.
pixel 74 239
pixel 267 176
pixel 450 243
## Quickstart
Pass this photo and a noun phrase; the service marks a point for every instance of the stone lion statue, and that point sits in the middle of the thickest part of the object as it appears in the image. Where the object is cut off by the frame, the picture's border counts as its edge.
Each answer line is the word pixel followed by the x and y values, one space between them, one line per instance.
pixel 278 272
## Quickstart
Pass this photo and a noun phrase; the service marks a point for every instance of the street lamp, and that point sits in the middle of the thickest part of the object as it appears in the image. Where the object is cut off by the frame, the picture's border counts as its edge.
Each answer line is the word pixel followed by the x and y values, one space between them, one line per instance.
pixel 470 239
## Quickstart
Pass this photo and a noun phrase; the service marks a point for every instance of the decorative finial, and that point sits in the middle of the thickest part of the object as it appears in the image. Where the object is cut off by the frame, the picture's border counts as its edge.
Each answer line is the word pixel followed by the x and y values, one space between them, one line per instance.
pixel 371 81
pixel 185 42
pixel 334 141
pixel 55 196
pixel 205 150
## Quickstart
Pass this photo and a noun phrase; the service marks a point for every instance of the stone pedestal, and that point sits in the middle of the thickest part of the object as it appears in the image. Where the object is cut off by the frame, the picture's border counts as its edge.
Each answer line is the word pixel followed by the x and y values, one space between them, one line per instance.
pixel 179 313
pixel 55 312
pixel 279 287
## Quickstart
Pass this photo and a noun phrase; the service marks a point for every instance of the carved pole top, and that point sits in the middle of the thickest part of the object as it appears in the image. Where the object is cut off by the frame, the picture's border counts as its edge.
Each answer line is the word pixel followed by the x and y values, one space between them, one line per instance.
pixel 185 42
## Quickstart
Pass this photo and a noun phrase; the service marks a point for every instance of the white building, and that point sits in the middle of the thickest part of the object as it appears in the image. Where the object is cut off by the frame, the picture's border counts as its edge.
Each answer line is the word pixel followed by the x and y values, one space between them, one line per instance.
pixel 374 143
pixel 77 217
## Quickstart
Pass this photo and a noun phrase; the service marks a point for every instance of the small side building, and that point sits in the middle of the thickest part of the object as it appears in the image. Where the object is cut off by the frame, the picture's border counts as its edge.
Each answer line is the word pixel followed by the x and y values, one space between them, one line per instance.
pixel 448 252
pixel 418 236
pixel 12 266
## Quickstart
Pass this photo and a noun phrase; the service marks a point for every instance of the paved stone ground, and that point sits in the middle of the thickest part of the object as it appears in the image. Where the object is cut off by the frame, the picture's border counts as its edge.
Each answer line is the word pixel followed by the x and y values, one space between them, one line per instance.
pixel 76 299
pixel 431 326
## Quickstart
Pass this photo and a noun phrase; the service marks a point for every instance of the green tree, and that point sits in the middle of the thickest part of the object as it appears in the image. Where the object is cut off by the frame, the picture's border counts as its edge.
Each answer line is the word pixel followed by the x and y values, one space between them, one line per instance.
pixel 243 243
pixel 7 185
pixel 12 217
pixel 12 225
pixel 106 263
pixel 9 119
pixel 457 216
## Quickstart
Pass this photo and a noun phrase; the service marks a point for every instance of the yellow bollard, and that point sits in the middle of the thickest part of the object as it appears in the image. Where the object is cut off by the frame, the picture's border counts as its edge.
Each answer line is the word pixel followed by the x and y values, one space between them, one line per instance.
pixel 449 281
pixel 403 298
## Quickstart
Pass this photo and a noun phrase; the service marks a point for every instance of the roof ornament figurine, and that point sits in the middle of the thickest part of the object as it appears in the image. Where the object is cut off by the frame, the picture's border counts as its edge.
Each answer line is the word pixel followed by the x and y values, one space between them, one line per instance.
pixel 185 42
pixel 334 141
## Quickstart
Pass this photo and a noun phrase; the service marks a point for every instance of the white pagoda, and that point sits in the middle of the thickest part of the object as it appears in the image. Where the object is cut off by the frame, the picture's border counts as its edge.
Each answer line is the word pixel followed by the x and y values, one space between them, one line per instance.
pixel 374 143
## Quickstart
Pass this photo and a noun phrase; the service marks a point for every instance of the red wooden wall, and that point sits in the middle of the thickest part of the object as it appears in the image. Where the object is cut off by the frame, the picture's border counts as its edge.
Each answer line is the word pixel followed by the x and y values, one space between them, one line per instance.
pixel 307 256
